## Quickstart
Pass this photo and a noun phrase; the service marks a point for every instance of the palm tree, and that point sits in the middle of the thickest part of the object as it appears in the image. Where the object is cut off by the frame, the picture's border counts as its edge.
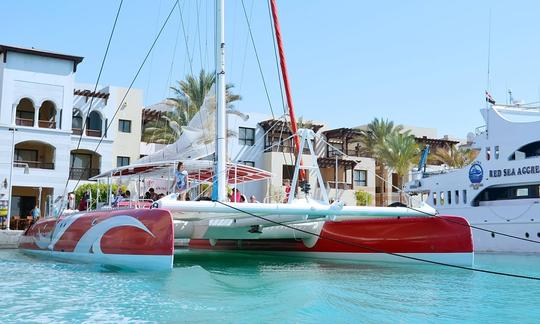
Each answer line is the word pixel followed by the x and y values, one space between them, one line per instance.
pixel 372 139
pixel 399 152
pixel 188 99
pixel 375 134
pixel 454 157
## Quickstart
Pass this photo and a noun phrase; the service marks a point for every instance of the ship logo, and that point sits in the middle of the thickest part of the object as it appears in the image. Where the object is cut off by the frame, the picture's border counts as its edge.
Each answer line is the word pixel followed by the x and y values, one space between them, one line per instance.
pixel 476 173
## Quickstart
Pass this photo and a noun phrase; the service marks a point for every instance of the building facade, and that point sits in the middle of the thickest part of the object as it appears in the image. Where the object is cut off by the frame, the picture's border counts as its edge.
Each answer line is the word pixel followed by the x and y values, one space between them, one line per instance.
pixel 55 132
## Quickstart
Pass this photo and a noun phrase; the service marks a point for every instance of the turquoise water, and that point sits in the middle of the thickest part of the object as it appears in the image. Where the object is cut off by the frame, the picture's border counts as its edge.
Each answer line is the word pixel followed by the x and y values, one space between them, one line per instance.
pixel 211 287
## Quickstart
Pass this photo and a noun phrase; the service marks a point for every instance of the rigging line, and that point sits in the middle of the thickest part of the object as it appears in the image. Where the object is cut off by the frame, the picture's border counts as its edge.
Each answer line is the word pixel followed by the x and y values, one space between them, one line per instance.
pixel 95 88
pixel 172 60
pixel 367 248
pixel 280 81
pixel 132 82
pixel 206 35
pixel 489 52
pixel 152 56
pixel 258 61
pixel 435 215
pixel 242 73
pixel 190 60
pixel 279 78
pixel 199 33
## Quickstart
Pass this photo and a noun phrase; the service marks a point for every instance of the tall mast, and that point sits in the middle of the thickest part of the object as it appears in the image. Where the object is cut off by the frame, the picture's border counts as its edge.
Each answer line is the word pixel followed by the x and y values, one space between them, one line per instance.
pixel 285 75
pixel 221 126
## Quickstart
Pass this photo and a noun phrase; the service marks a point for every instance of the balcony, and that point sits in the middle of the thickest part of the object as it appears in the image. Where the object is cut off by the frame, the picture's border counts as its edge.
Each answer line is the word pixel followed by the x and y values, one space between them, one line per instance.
pixel 340 185
pixel 24 122
pixel 34 164
pixel 82 173
pixel 93 132
pixel 46 124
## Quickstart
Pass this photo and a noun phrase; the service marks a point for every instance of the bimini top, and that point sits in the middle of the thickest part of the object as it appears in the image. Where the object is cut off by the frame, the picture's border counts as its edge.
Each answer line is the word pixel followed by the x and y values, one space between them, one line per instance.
pixel 200 170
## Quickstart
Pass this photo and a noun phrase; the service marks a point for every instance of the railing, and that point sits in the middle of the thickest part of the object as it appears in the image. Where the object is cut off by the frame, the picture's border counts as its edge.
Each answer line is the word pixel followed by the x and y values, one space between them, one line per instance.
pixel 24 122
pixel 76 131
pixel 93 132
pixel 82 173
pixel 34 164
pixel 340 185
pixel 284 149
pixel 480 129
pixel 46 124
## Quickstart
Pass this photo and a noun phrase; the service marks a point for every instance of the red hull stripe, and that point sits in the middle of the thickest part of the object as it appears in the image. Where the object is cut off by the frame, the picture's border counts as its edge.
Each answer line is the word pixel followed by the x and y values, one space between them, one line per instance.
pixel 155 238
pixel 404 235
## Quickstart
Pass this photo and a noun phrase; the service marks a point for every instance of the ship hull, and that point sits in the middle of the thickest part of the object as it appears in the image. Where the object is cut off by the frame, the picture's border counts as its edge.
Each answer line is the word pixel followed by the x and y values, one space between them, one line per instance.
pixel 446 239
pixel 139 239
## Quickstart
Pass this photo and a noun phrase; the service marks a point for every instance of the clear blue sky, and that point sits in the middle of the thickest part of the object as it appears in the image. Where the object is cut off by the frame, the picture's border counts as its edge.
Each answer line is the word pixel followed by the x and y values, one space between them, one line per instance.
pixel 419 63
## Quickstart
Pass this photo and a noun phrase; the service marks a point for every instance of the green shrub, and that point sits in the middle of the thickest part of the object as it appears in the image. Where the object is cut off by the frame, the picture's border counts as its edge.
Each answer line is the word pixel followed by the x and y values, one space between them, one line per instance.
pixel 93 187
pixel 363 198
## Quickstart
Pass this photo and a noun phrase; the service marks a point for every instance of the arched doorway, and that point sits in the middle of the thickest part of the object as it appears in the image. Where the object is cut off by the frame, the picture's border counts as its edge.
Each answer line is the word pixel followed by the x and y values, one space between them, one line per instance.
pixel 84 164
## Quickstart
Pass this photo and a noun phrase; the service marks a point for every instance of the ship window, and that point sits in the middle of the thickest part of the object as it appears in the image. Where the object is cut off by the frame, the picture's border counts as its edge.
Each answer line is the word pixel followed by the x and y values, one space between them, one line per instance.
pixel 434 199
pixel 530 150
pixel 442 197
pixel 488 153
pixel 449 194
pixel 457 197
pixel 508 193
pixel 464 196
pixel 497 152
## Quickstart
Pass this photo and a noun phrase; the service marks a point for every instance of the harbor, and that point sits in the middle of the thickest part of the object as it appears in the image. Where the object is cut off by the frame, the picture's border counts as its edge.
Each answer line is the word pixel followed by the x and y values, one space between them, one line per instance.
pixel 204 172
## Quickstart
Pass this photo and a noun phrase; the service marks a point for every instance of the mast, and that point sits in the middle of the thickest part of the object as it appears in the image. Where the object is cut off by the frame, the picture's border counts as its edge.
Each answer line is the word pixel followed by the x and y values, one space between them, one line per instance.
pixel 285 75
pixel 221 126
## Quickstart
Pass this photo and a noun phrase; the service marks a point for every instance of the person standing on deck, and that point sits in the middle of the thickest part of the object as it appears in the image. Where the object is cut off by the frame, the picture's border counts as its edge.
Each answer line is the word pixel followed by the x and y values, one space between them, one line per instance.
pixel 181 181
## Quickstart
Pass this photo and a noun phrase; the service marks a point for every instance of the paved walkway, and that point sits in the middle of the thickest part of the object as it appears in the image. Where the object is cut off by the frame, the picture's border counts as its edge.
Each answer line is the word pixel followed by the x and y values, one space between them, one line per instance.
pixel 9 239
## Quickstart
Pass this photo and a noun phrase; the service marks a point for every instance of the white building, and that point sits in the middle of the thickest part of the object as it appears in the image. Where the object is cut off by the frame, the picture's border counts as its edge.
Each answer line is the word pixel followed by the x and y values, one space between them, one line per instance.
pixel 42 114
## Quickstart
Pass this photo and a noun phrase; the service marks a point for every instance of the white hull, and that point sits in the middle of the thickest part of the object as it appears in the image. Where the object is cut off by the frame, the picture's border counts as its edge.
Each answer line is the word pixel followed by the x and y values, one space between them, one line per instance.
pixel 125 261
pixel 517 221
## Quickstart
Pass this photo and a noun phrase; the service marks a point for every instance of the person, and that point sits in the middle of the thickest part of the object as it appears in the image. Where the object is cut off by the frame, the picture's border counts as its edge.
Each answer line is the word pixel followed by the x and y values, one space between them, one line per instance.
pixel 83 204
pixel 118 198
pixel 287 183
pixel 236 196
pixel 153 194
pixel 71 201
pixel 181 181
pixel 36 214
pixel 253 199
pixel 127 195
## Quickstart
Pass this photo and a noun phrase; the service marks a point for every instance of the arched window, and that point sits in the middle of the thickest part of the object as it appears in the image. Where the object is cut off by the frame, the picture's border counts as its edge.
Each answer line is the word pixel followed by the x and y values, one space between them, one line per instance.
pixel 47 115
pixel 95 124
pixel 84 164
pixel 530 150
pixel 76 122
pixel 24 115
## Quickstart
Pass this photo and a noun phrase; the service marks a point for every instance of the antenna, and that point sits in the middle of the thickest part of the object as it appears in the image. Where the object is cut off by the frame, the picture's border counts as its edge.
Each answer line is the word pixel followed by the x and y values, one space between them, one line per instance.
pixel 489 53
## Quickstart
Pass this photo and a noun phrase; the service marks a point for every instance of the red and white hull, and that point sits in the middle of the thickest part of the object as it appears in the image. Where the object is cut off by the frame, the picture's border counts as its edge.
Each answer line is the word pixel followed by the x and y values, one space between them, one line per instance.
pixel 446 239
pixel 140 239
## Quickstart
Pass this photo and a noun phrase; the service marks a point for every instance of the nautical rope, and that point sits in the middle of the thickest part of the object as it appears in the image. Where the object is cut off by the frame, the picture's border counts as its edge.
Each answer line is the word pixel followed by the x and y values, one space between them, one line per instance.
pixel 367 248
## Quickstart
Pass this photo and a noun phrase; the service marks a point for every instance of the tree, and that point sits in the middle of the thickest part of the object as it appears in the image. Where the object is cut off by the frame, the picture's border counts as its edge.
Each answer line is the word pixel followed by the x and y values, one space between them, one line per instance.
pixel 188 98
pixel 372 139
pixel 399 152
pixel 454 157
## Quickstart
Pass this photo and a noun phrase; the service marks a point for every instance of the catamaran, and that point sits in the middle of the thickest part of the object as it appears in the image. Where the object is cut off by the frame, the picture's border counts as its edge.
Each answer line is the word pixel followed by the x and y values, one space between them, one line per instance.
pixel 303 226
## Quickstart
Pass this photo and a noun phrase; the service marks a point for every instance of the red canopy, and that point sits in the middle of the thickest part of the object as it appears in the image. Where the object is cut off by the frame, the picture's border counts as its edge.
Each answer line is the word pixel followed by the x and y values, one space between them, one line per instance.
pixel 199 170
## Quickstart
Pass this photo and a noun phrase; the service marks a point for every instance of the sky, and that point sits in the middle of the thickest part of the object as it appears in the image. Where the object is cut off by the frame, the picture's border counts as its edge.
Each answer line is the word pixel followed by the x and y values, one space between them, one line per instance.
pixel 419 63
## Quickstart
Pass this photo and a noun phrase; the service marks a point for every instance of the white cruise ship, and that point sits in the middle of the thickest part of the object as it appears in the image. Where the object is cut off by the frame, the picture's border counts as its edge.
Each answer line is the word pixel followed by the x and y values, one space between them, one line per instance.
pixel 500 190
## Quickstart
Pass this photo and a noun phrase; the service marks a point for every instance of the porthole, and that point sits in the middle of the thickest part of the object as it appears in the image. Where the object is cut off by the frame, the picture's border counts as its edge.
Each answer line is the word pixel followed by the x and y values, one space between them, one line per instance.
pixel 538 234
pixel 527 235
pixel 492 234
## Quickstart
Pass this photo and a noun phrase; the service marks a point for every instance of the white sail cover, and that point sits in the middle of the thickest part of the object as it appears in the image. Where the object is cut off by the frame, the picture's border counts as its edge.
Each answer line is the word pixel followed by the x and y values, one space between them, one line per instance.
pixel 197 138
